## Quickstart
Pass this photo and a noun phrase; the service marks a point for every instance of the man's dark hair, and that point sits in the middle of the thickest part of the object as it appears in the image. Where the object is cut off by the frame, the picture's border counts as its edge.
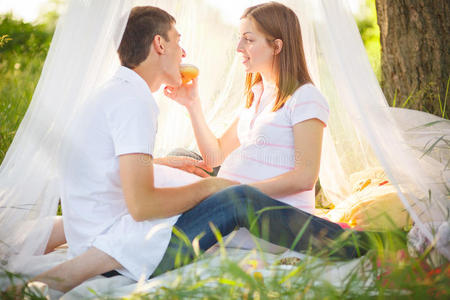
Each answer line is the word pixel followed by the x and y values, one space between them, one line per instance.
pixel 144 23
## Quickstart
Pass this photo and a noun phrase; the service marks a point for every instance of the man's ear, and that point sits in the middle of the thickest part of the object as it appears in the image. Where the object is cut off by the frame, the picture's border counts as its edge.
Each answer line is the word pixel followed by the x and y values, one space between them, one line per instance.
pixel 277 46
pixel 158 44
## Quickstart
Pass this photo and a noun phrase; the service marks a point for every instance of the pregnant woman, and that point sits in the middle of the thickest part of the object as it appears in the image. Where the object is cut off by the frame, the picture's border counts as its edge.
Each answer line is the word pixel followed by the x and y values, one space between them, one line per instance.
pixel 275 143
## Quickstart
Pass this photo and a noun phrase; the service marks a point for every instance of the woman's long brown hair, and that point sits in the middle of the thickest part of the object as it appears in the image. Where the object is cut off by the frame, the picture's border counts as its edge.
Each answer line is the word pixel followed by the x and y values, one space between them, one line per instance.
pixel 277 21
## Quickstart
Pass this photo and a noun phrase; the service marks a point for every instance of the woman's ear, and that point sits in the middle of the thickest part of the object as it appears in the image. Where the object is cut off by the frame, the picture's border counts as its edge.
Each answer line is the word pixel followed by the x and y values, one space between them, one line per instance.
pixel 158 44
pixel 277 46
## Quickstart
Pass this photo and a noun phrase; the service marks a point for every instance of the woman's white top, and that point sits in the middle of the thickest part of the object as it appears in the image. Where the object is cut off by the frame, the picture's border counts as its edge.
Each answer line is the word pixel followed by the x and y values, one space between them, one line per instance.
pixel 266 138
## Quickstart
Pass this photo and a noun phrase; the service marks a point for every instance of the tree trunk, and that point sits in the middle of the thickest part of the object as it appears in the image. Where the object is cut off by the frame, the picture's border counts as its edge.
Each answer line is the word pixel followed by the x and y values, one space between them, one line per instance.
pixel 415 60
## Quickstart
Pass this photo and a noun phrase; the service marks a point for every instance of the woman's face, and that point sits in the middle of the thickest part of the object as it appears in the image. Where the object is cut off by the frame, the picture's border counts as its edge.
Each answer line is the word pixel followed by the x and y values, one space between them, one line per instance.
pixel 257 54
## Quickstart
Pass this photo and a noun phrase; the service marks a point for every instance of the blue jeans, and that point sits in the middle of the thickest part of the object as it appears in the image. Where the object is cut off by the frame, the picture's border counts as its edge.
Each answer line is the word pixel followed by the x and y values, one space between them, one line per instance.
pixel 278 223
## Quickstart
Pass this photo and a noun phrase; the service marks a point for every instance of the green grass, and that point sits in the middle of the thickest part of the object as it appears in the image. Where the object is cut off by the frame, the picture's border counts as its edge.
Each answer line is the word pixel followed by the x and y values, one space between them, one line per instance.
pixel 16 90
pixel 23 48
pixel 386 272
pixel 416 96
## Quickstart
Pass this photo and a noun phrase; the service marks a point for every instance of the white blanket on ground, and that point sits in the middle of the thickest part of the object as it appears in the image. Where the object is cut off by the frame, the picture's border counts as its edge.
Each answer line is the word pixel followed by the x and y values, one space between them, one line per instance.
pixel 120 286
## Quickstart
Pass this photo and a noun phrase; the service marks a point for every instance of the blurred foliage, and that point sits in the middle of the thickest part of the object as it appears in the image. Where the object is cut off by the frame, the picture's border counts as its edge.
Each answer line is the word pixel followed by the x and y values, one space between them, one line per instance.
pixel 23 35
pixel 366 20
pixel 23 48
pixel 50 13
pixel 4 39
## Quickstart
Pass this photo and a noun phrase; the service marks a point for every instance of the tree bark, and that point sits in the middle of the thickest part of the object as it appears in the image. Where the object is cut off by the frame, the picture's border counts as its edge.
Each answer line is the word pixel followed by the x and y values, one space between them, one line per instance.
pixel 415 60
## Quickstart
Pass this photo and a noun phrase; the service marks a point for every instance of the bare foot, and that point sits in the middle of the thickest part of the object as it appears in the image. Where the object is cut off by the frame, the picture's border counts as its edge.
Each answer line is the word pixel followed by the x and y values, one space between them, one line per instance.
pixel 33 290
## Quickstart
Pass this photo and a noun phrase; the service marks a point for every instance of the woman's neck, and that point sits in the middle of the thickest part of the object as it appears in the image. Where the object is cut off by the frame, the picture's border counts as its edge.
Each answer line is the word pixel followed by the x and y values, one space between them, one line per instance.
pixel 268 80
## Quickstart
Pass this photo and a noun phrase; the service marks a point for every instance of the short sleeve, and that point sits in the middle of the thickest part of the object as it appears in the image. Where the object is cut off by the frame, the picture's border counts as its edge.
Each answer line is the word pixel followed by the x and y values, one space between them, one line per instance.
pixel 308 103
pixel 133 124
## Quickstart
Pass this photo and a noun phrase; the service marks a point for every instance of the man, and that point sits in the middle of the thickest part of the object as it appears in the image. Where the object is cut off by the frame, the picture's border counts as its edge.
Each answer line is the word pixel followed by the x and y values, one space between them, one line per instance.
pixel 119 208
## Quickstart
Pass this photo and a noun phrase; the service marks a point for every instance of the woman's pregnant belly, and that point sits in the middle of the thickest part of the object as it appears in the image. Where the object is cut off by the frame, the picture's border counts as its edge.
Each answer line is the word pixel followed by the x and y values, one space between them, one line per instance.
pixel 246 167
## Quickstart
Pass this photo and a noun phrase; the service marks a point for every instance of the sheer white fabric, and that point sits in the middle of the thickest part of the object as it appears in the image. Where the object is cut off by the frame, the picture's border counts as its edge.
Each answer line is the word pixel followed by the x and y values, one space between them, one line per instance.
pixel 362 132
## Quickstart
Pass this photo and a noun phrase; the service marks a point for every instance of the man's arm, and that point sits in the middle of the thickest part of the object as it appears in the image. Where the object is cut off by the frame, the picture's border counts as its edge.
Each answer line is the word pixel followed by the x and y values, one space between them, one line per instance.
pixel 145 201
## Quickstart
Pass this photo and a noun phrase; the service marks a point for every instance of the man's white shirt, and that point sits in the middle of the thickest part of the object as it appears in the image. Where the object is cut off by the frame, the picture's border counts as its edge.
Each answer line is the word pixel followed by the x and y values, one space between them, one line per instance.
pixel 121 118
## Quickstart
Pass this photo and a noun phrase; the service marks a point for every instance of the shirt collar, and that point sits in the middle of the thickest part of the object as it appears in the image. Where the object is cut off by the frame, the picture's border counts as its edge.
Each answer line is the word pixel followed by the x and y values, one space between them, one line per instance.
pixel 257 88
pixel 269 88
pixel 131 76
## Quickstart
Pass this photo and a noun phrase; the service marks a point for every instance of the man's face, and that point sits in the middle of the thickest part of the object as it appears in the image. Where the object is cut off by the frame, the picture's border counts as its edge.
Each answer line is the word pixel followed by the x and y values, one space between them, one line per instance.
pixel 172 58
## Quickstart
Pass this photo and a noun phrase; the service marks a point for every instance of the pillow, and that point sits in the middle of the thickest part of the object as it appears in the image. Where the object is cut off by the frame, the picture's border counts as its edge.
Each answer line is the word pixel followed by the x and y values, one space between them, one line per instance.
pixel 374 204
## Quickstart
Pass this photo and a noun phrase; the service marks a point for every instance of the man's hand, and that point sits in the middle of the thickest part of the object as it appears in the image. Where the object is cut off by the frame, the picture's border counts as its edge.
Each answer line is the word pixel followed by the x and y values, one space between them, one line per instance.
pixel 187 164
pixel 147 202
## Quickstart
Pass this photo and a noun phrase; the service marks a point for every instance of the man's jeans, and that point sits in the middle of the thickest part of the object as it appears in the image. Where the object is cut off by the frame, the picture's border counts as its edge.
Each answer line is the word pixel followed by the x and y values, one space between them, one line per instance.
pixel 266 218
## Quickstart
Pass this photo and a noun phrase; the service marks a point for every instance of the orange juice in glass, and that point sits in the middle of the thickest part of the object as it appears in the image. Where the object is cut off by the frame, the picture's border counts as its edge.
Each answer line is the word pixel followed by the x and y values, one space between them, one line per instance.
pixel 188 72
